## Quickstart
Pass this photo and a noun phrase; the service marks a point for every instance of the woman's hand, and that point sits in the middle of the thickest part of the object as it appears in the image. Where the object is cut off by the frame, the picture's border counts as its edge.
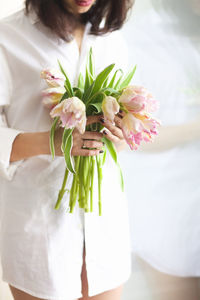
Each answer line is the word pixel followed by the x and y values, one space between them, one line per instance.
pixel 113 132
pixel 28 145
pixel 82 142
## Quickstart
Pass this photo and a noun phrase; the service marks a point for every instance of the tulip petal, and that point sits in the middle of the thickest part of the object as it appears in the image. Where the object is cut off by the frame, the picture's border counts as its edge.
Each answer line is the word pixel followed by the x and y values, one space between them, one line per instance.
pixel 137 99
pixel 54 78
pixel 110 108
pixel 137 128
pixel 52 96
pixel 72 113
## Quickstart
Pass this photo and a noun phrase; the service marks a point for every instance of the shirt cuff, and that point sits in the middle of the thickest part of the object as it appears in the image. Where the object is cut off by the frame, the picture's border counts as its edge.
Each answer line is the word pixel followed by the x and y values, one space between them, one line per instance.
pixel 7 169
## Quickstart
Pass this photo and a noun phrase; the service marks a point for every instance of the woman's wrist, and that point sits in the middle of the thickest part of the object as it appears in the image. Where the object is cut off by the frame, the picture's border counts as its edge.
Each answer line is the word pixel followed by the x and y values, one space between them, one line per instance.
pixel 28 145
pixel 42 143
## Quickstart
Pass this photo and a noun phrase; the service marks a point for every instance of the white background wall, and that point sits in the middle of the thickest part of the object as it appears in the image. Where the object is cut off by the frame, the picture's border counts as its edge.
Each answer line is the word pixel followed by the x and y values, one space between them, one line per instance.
pixel 9 6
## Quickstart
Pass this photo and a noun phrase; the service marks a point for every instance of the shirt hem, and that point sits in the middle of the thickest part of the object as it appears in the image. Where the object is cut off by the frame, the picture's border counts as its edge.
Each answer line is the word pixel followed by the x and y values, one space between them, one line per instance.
pixel 37 295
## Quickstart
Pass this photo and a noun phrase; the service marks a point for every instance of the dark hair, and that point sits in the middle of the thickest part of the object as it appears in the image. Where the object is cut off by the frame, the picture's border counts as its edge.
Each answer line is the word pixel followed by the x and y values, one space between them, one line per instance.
pixel 55 15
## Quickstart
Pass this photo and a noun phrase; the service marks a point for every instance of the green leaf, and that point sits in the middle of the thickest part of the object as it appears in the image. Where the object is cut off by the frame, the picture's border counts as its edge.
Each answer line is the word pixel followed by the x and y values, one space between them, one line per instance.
pixel 52 135
pixel 111 148
pixel 96 98
pixel 65 96
pixel 97 106
pixel 121 177
pixel 67 154
pixel 67 81
pixel 105 83
pixel 87 79
pixel 66 134
pixel 88 92
pixel 104 157
pixel 91 63
pixel 117 85
pixel 112 82
pixel 97 85
pixel 127 79
pixel 80 82
pixel 78 92
pixel 99 81
pixel 89 73
pixel 109 91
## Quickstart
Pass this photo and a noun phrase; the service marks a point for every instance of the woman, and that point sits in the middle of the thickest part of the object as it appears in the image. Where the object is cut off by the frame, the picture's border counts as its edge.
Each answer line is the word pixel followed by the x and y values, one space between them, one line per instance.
pixel 45 252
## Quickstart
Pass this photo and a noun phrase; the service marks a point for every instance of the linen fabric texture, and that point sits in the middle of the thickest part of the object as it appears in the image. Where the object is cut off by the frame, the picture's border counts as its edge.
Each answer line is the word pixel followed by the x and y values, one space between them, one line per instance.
pixel 42 248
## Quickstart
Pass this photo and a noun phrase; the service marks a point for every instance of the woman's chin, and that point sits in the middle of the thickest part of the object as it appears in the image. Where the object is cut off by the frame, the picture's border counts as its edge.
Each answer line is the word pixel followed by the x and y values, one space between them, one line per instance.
pixel 82 10
pixel 82 6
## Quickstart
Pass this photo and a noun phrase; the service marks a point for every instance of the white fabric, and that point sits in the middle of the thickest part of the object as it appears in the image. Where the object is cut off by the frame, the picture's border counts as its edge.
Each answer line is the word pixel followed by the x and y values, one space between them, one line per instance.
pixel 41 248
pixel 165 187
pixel 7 135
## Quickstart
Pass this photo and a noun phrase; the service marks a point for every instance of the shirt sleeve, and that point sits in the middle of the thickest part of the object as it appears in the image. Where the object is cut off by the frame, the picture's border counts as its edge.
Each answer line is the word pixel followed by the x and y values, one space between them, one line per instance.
pixel 7 135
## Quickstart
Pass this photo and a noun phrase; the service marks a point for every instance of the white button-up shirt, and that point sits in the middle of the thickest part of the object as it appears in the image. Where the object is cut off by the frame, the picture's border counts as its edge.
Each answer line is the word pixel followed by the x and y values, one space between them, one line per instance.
pixel 41 248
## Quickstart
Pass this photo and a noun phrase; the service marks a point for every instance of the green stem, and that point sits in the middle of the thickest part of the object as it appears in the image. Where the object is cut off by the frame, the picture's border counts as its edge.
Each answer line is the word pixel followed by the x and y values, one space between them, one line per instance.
pixel 87 186
pixel 62 190
pixel 80 197
pixel 71 201
pixel 92 183
pixel 84 176
pixel 77 178
pixel 74 188
pixel 81 182
pixel 100 176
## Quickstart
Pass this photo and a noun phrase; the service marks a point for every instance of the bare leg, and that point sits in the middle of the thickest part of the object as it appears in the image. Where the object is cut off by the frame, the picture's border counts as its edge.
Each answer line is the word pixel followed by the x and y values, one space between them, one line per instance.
pixel 114 294
pixel 19 295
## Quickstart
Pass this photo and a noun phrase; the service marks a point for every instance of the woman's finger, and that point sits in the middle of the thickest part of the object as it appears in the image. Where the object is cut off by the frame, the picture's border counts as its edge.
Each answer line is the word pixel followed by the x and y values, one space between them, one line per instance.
pixel 110 136
pixel 112 128
pixel 92 135
pixel 92 144
pixel 118 122
pixel 85 152
pixel 90 152
pixel 121 114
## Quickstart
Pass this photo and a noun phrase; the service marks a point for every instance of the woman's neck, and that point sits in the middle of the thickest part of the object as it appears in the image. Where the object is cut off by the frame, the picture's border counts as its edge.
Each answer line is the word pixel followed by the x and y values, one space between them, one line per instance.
pixel 78 35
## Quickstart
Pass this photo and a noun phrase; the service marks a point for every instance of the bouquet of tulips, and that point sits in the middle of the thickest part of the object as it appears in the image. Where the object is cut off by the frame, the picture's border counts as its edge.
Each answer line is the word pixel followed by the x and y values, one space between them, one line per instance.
pixel 107 93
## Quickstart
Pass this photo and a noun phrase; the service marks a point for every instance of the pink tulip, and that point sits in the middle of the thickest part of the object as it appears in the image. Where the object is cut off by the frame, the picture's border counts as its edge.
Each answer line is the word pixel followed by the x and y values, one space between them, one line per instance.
pixel 132 128
pixel 72 113
pixel 54 78
pixel 151 125
pixel 52 96
pixel 137 99
pixel 137 128
pixel 110 108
